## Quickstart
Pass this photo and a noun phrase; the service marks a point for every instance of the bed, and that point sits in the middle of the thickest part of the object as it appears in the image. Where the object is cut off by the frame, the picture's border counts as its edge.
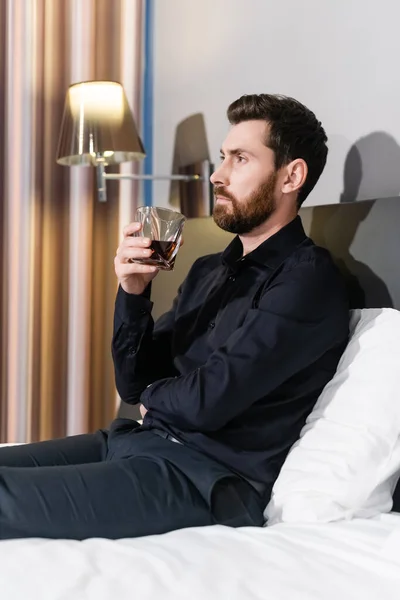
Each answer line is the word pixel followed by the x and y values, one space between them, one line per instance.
pixel 347 558
pixel 356 559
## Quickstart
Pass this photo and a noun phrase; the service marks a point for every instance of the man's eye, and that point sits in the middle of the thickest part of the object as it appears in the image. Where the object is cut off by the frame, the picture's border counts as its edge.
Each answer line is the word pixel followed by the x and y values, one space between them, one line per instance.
pixel 222 158
pixel 240 158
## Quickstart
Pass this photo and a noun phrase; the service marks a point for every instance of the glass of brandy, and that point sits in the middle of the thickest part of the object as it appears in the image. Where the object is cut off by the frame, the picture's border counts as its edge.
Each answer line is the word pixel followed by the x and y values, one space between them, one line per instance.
pixel 164 227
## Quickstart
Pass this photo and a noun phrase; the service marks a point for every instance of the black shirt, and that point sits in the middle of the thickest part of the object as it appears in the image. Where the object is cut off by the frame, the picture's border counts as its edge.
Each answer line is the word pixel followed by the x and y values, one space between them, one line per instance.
pixel 235 367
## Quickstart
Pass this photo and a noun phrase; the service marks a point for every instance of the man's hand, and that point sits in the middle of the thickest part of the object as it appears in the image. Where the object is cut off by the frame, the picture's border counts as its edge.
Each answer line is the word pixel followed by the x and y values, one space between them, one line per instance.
pixel 143 410
pixel 133 277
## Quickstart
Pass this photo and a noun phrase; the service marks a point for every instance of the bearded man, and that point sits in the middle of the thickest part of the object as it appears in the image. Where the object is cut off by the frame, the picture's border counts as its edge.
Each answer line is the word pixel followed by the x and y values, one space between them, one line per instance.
pixel 225 380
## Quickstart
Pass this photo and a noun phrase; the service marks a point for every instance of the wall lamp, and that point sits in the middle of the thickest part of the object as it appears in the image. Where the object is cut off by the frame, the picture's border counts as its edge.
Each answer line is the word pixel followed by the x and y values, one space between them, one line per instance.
pixel 98 129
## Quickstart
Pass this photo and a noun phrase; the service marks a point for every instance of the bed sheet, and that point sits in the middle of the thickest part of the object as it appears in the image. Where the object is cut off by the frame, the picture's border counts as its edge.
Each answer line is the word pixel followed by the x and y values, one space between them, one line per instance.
pixel 346 560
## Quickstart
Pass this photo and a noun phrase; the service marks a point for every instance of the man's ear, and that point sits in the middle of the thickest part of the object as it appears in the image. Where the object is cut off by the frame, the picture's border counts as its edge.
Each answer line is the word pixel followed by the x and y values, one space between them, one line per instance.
pixel 295 176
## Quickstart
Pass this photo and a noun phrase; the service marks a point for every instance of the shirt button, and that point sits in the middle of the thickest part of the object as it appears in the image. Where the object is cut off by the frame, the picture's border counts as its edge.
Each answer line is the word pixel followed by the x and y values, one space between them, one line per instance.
pixel 232 278
pixel 131 350
pixel 143 312
pixel 211 325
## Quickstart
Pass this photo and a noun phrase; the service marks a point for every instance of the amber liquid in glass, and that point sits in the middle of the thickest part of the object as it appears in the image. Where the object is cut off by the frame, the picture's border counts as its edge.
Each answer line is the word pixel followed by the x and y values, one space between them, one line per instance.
pixel 162 257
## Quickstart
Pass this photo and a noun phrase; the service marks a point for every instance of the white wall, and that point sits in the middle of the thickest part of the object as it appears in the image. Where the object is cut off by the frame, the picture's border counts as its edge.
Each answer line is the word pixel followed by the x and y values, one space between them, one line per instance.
pixel 339 57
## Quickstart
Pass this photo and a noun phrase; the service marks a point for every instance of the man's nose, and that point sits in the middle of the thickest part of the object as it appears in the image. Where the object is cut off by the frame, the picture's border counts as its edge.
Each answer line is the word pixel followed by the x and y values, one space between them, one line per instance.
pixel 220 176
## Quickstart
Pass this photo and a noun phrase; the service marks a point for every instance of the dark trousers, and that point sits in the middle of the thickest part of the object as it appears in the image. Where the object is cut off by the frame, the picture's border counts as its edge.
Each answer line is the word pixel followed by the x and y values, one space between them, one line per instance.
pixel 75 488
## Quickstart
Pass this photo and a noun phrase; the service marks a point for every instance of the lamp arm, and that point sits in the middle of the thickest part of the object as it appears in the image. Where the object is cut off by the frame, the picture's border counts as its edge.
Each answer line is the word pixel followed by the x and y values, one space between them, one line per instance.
pixel 101 176
pixel 152 177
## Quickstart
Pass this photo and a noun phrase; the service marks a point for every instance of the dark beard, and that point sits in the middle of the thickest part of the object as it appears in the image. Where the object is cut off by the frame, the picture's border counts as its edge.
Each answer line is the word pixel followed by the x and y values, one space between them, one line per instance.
pixel 246 216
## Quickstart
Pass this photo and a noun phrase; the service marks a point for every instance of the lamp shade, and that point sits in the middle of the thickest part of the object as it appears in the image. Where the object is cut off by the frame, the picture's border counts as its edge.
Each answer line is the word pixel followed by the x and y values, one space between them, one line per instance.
pixel 98 126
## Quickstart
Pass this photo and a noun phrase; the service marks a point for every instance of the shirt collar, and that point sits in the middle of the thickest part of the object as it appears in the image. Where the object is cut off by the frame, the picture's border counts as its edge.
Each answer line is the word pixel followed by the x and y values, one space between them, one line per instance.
pixel 271 252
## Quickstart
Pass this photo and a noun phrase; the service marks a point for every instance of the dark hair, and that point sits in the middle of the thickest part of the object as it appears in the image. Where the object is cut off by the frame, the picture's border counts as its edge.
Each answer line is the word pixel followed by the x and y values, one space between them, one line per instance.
pixel 294 132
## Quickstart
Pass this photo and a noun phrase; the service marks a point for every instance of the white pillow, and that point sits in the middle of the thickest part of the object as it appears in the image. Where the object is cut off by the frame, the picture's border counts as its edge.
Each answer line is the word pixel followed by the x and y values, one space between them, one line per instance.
pixel 347 460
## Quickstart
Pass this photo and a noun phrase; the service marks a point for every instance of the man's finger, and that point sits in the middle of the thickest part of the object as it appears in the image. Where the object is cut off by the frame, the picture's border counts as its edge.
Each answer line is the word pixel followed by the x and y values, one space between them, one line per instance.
pixel 130 268
pixel 136 242
pixel 126 254
pixel 132 228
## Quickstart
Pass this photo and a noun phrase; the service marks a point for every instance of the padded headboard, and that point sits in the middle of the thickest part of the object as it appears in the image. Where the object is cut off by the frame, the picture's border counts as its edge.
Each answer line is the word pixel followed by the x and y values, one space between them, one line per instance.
pixel 363 238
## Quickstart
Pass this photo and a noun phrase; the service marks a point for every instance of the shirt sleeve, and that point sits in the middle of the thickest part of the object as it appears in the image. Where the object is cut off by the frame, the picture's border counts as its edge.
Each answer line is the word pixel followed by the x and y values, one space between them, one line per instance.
pixel 298 319
pixel 141 352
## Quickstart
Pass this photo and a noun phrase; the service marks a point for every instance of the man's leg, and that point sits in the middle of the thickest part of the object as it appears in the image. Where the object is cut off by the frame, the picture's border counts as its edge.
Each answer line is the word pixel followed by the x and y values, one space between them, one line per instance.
pixel 72 450
pixel 113 499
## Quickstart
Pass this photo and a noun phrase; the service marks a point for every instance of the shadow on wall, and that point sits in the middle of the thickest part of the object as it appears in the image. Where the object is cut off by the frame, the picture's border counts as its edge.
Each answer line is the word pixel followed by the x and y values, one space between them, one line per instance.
pixel 190 147
pixel 370 163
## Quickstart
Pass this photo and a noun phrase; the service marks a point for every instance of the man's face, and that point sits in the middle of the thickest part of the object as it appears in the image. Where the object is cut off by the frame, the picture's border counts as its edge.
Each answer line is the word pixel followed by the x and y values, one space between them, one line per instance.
pixel 245 182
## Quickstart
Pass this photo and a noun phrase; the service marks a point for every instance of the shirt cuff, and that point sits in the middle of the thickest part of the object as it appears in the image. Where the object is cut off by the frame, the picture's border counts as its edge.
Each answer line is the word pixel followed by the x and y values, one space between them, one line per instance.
pixel 131 307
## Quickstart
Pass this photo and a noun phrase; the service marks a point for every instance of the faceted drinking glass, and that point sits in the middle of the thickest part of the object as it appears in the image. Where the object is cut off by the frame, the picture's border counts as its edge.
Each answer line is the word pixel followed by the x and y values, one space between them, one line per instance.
pixel 164 227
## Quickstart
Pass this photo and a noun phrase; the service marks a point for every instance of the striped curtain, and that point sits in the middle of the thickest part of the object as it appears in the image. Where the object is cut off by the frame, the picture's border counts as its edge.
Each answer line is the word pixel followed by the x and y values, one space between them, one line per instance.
pixel 57 283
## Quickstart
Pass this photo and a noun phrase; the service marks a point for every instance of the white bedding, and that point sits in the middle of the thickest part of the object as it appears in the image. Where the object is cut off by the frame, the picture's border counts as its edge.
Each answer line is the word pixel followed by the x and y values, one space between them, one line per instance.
pixel 343 560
